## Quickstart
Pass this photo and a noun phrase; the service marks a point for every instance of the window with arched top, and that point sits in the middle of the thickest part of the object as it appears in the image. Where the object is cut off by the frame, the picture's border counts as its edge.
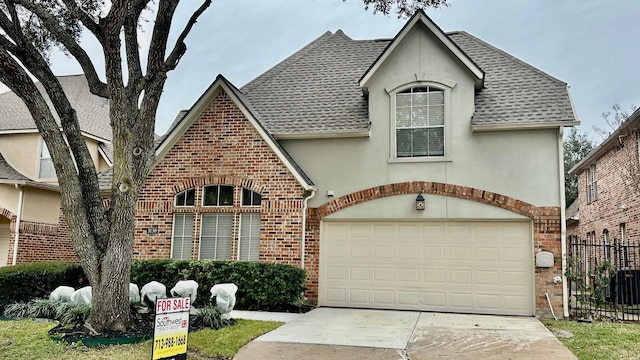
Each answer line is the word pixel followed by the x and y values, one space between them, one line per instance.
pixel 229 232
pixel 185 198
pixel 420 122
pixel 250 198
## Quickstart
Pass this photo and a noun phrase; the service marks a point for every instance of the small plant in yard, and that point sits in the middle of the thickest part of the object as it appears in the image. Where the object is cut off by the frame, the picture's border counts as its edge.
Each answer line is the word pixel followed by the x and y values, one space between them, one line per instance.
pixel 19 310
pixel 593 293
pixel 209 317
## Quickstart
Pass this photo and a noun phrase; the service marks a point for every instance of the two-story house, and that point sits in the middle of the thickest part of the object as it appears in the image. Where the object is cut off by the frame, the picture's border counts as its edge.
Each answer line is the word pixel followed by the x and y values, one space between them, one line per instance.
pixel 608 205
pixel 420 172
pixel 31 223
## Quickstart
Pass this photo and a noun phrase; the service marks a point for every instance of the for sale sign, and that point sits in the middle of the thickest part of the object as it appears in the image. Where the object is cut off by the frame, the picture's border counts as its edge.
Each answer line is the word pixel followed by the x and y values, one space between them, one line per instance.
pixel 171 329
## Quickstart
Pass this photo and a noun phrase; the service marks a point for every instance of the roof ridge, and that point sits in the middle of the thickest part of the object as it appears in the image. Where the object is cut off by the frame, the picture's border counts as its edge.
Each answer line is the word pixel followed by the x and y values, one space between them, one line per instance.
pixel 507 55
pixel 282 65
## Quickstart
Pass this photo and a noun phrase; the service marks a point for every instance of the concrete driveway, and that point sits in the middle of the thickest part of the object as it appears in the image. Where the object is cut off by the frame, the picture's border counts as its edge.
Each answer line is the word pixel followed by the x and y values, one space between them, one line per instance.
pixel 329 333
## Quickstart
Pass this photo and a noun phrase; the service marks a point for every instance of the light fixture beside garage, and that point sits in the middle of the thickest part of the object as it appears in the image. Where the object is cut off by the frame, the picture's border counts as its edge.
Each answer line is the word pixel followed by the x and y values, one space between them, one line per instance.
pixel 420 204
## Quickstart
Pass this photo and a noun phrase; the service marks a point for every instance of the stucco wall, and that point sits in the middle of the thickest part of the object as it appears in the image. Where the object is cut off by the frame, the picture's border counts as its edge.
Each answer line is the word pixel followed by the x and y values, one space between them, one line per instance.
pixel 41 206
pixel 519 164
pixel 22 152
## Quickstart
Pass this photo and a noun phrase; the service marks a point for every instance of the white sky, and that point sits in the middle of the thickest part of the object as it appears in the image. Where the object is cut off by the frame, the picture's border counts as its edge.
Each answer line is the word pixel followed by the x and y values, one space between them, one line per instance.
pixel 590 44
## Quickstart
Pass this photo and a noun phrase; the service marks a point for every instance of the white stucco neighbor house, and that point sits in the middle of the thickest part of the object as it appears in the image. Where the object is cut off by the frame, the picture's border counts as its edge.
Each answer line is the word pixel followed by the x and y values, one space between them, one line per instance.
pixel 322 162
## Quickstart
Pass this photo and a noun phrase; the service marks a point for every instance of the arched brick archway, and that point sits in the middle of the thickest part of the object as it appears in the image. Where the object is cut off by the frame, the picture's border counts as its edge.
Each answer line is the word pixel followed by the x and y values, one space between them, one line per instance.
pixel 431 188
pixel 6 213
pixel 546 229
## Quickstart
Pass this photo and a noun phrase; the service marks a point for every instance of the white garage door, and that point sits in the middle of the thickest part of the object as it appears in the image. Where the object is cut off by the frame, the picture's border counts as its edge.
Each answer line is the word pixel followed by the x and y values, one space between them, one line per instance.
pixel 466 267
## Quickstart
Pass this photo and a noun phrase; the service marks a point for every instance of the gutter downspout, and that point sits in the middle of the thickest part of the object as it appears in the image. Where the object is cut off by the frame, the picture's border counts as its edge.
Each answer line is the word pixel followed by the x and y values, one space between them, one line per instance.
pixel 18 220
pixel 304 227
pixel 563 223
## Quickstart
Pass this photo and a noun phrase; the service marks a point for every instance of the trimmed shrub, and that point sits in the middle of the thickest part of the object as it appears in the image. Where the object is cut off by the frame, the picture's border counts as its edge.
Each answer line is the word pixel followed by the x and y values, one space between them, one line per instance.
pixel 24 282
pixel 261 286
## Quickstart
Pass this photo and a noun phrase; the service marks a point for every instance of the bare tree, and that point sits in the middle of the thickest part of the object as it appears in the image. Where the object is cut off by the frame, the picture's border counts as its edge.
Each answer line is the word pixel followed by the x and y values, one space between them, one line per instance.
pixel 623 127
pixel 103 238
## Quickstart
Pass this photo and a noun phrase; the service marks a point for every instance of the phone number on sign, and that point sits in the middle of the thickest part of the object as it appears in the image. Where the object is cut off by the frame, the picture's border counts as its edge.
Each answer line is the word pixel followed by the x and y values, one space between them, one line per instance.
pixel 170 341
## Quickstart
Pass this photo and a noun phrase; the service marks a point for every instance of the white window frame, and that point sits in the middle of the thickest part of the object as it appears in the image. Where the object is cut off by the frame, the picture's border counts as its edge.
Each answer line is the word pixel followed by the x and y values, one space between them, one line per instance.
pixel 44 154
pixel 443 85
pixel 173 234
pixel 233 222
pixel 253 194
pixel 592 183
pixel 185 192
pixel 204 190
pixel 251 238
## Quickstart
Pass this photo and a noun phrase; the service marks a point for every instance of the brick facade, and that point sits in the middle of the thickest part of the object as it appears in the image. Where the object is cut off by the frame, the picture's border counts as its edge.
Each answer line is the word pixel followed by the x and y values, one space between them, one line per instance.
pixel 40 241
pixel 546 230
pixel 617 201
pixel 222 147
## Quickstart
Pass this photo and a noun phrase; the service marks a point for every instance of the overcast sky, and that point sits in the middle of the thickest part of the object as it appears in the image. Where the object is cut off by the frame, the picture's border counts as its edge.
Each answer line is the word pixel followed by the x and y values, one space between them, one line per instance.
pixel 590 44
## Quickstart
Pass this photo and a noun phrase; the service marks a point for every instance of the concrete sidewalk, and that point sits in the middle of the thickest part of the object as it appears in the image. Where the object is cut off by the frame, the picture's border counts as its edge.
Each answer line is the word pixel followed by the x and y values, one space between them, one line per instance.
pixel 328 333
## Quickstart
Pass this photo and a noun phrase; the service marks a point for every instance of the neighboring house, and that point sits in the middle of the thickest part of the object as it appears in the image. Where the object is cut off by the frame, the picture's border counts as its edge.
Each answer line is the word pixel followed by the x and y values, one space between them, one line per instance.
pixel 30 213
pixel 609 188
pixel 319 163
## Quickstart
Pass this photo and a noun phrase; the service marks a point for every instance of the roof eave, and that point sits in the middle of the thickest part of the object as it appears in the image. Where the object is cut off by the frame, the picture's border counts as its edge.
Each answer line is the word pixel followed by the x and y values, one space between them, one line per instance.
pixel 323 135
pixel 605 145
pixel 522 126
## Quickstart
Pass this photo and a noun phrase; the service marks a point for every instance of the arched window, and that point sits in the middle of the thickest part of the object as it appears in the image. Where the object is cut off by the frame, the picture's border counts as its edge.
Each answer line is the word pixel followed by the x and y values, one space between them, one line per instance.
pixel 250 198
pixel 185 198
pixel 218 195
pixel 420 122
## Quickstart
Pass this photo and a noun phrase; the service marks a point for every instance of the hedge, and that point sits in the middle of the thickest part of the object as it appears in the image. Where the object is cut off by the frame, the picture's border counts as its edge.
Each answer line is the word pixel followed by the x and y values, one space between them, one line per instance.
pixel 23 282
pixel 261 286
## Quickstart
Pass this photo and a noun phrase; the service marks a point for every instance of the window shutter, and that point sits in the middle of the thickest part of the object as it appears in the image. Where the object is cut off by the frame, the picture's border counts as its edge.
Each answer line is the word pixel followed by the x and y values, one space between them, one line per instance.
pixel 249 241
pixel 215 236
pixel 182 236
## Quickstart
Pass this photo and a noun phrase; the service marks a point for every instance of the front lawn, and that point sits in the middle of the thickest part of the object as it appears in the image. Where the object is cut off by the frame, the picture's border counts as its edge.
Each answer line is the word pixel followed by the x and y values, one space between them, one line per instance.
pixel 600 340
pixel 28 340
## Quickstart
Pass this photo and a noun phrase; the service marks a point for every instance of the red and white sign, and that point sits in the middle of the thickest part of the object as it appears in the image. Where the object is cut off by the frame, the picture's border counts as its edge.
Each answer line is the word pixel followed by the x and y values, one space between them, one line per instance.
pixel 171 329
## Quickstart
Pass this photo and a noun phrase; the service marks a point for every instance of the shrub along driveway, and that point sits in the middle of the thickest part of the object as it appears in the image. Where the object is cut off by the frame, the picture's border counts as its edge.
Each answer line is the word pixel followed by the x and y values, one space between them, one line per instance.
pixel 328 333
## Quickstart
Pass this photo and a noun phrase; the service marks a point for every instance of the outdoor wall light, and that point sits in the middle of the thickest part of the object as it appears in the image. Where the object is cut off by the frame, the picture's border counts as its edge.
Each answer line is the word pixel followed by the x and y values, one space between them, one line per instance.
pixel 420 205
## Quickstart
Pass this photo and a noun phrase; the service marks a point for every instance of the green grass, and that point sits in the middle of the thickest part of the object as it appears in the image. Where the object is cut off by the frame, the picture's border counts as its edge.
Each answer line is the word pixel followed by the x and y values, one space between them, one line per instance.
pixel 600 340
pixel 28 340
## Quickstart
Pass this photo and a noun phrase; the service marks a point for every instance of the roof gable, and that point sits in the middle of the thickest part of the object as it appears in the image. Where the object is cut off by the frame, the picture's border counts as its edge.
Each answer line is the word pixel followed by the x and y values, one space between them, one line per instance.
pixel 221 84
pixel 421 19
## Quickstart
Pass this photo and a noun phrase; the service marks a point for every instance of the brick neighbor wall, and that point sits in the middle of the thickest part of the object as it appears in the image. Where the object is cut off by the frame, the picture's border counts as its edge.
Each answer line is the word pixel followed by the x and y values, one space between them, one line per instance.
pixel 221 147
pixel 546 230
pixel 616 202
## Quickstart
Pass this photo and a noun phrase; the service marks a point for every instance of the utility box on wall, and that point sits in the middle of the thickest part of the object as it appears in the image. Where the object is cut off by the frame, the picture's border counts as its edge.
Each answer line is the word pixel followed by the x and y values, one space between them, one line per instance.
pixel 544 259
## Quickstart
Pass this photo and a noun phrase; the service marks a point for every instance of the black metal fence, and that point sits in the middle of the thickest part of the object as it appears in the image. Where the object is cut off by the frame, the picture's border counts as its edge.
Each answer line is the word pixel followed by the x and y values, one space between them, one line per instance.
pixel 604 279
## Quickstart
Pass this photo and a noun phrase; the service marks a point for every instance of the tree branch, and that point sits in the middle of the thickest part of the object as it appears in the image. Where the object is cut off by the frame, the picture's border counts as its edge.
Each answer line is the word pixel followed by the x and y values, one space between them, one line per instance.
pixel 180 47
pixel 84 18
pixel 133 47
pixel 52 24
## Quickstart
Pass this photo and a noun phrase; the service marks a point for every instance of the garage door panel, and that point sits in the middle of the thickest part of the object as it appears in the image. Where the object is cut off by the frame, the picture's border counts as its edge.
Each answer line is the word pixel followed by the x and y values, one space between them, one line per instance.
pixel 472 267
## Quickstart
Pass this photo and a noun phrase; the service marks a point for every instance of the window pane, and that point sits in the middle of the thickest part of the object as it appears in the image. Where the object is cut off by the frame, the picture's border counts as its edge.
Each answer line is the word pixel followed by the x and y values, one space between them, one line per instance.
pixel 191 196
pixel 182 236
pixel 403 100
pixel 46 169
pixel 436 141
pixel 249 237
pixel 226 195
pixel 246 197
pixel 257 199
pixel 403 117
pixel 436 115
pixel 419 99
pixel 403 143
pixel 210 195
pixel 215 238
pixel 436 97
pixel 419 116
pixel 180 199
pixel 419 142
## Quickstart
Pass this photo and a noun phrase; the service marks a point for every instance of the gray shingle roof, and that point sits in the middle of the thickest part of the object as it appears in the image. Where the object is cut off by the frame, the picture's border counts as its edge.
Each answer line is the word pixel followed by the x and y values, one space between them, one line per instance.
pixel 93 111
pixel 515 92
pixel 316 89
pixel 7 172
